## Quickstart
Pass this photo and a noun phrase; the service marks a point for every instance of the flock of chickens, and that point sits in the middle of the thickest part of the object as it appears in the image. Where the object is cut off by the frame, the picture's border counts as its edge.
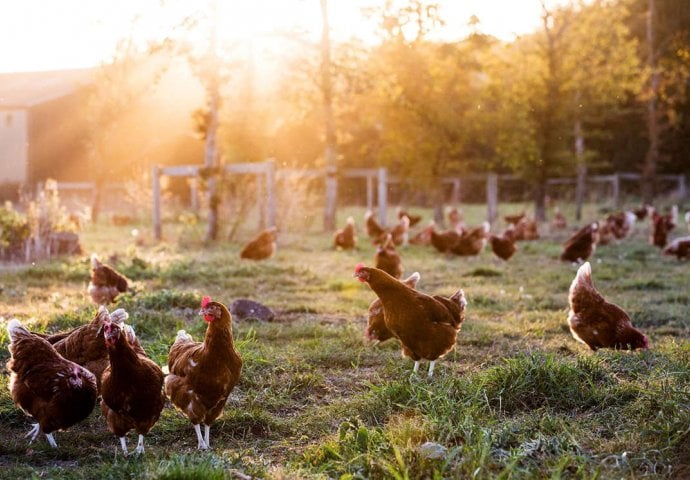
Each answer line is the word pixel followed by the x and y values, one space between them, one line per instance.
pixel 57 379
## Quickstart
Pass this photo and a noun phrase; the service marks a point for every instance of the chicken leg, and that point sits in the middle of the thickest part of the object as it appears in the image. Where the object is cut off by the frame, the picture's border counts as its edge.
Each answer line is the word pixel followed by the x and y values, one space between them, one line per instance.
pixel 123 444
pixel 207 435
pixel 431 368
pixel 140 445
pixel 201 443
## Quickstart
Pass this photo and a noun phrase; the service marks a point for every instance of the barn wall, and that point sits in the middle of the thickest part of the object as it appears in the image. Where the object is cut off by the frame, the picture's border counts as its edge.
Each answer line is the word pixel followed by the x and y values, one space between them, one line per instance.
pixel 57 148
pixel 13 139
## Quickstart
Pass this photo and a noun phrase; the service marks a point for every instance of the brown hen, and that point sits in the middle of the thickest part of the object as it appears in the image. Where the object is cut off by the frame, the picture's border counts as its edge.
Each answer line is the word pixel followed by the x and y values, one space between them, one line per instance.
pixel 261 247
pixel 425 325
pixel 202 375
pixel 596 322
pixel 131 387
pixel 56 392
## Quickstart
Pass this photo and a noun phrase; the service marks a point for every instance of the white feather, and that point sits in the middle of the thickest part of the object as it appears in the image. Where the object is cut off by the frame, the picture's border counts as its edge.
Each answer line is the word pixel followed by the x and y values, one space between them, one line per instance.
pixel 94 261
pixel 119 316
pixel 182 335
pixel 15 328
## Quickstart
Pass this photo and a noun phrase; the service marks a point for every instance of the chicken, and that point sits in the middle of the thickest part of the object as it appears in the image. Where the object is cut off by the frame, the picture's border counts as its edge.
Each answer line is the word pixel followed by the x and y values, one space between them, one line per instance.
pixel 621 224
pixel 472 241
pixel 400 233
pixel 106 282
pixel 455 218
pixel 375 231
pixel 85 345
pixel 504 245
pixel 202 375
pixel 414 219
pixel 642 212
pixel 131 386
pixel 558 222
pixel 661 225
pixel 515 219
pixel 426 326
pixel 346 237
pixel 423 237
pixel 377 331
pixel 606 234
pixel 526 229
pixel 581 244
pixel 262 246
pixel 596 322
pixel 680 247
pixel 387 258
pixel 443 241
pixel 56 392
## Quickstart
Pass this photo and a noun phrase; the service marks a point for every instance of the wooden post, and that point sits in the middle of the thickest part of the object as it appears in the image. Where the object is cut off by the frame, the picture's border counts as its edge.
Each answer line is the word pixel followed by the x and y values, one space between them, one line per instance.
pixel 194 194
pixel 616 185
pixel 271 192
pixel 155 178
pixel 383 195
pixel 455 194
pixel 261 198
pixel 370 193
pixel 491 197
pixel 682 189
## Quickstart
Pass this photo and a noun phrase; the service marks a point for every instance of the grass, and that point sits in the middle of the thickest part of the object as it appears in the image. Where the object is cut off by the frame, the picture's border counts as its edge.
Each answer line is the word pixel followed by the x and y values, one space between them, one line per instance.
pixel 518 397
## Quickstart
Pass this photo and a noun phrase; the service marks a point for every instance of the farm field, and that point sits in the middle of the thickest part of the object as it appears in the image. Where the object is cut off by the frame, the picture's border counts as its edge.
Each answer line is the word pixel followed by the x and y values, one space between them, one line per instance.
pixel 517 398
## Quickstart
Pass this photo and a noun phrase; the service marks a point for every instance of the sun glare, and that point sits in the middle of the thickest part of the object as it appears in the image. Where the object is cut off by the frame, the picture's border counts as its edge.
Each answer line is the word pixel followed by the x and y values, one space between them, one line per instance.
pixel 40 35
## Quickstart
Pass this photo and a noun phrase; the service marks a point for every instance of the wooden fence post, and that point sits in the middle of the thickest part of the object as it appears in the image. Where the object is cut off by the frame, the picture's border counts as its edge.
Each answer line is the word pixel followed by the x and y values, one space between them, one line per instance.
pixel 682 189
pixel 155 179
pixel 455 194
pixel 370 193
pixel 194 194
pixel 383 195
pixel 261 198
pixel 271 192
pixel 491 197
pixel 616 185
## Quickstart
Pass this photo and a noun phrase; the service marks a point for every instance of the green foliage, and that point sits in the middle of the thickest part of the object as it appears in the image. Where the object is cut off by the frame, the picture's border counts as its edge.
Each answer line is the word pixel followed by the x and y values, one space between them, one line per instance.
pixel 14 230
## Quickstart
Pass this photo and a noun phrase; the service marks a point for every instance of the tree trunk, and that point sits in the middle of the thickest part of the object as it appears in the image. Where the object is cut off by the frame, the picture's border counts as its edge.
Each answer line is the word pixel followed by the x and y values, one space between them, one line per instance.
pixel 330 156
pixel 652 156
pixel 211 146
pixel 581 169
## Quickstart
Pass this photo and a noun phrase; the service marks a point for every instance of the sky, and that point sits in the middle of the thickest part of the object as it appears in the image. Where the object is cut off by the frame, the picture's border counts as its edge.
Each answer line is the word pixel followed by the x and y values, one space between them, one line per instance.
pixel 61 34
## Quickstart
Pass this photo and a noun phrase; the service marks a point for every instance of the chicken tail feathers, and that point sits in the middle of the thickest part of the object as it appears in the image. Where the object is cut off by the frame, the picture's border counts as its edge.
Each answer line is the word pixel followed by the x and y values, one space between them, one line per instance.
pixel 15 330
pixel 459 298
pixel 584 276
pixel 119 316
pixel 412 280
pixel 182 336
pixel 95 263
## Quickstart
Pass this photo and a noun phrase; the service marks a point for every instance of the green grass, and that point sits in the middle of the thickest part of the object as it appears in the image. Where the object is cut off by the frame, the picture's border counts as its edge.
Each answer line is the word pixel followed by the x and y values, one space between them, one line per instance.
pixel 517 398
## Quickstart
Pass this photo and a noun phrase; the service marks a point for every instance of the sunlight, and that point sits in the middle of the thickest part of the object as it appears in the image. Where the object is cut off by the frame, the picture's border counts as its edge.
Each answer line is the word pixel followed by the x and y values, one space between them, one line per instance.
pixel 39 35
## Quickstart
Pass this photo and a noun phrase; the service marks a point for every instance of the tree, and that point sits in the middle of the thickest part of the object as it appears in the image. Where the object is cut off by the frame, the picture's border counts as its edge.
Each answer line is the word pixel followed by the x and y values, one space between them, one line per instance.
pixel 329 126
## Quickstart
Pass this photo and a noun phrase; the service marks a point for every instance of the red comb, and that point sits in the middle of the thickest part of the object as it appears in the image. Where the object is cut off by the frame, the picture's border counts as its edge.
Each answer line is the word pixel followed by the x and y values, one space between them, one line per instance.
pixel 205 301
pixel 359 267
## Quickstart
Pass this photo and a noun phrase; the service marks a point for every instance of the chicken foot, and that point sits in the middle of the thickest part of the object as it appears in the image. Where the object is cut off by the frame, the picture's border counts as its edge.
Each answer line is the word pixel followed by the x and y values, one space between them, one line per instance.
pixel 201 443
pixel 36 430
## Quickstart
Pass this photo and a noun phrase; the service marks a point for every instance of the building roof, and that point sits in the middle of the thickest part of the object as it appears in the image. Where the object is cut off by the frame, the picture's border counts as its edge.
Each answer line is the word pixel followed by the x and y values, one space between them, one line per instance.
pixel 26 89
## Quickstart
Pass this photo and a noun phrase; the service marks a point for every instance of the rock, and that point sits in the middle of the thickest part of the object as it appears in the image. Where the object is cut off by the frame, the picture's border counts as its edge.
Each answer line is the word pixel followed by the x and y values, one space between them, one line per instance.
pixel 242 309
pixel 433 451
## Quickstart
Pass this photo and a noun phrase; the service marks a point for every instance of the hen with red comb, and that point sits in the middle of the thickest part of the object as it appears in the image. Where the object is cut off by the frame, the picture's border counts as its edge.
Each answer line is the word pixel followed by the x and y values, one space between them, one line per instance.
pixel 202 375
